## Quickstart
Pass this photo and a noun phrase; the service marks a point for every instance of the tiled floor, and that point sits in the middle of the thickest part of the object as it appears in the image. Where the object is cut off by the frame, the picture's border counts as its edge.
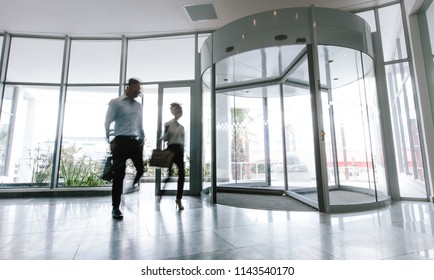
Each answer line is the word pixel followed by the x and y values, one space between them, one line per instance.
pixel 82 228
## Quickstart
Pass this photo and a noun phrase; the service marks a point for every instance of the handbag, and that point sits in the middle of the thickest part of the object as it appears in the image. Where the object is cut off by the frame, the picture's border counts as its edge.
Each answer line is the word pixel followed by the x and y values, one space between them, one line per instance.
pixel 161 158
pixel 107 173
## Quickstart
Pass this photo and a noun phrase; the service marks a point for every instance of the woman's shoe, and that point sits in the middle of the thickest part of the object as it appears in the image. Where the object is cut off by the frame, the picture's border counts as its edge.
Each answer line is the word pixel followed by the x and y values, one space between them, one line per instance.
pixel 179 204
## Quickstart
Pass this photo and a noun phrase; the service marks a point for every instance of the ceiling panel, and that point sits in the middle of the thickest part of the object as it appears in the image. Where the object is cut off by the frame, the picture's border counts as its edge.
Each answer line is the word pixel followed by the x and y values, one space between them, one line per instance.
pixel 138 17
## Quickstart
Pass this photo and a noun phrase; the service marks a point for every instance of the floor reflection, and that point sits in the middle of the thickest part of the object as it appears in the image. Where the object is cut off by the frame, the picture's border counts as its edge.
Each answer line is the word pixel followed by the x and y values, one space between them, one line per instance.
pixel 152 228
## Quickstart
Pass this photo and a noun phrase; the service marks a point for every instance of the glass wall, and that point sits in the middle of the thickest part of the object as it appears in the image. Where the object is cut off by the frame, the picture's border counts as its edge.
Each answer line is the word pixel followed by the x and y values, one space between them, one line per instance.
pixel 84 144
pixel 28 118
pixel 405 125
pixel 405 131
pixel 94 61
pixel 426 21
pixel 404 116
pixel 28 130
pixel 392 33
pixel 369 17
pixel 35 60
pixel 37 102
pixel 162 59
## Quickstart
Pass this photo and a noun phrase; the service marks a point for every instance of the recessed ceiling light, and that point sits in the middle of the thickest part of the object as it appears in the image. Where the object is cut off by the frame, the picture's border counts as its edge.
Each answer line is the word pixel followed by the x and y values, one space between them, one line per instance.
pixel 201 12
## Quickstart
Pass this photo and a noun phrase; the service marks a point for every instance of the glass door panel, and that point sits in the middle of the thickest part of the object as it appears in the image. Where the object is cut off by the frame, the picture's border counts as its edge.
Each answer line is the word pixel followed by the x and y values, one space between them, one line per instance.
pixel 224 103
pixel 299 141
pixel 351 121
pixel 330 145
pixel 240 141
pixel 374 126
pixel 247 141
pixel 275 146
pixel 300 157
pixel 353 146
pixel 249 138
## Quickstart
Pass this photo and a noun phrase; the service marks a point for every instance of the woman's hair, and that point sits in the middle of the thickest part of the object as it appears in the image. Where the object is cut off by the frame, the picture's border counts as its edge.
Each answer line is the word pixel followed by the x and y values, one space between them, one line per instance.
pixel 175 105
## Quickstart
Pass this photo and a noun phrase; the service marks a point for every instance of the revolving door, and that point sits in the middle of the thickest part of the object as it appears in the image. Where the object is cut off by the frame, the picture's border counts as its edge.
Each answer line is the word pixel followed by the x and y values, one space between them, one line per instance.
pixel 276 129
pixel 254 128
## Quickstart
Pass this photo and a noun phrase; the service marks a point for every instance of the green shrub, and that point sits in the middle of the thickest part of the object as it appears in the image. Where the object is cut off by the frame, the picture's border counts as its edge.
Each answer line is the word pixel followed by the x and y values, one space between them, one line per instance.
pixel 77 169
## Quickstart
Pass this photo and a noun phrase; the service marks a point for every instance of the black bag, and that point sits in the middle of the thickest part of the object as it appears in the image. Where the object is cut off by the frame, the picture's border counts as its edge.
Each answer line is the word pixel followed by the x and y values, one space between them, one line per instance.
pixel 161 158
pixel 107 173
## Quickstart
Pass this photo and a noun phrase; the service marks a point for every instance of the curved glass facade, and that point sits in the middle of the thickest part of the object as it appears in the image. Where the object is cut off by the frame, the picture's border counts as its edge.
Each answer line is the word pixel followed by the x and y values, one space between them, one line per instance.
pixel 54 97
pixel 276 130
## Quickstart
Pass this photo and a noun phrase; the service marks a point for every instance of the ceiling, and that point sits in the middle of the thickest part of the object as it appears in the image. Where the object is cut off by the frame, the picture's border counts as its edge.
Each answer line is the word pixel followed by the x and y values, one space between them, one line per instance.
pixel 102 18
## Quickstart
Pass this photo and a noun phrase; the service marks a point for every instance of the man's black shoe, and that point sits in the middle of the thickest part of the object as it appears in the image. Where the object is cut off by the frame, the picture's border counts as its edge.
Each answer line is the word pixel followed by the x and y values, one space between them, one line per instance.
pixel 117 214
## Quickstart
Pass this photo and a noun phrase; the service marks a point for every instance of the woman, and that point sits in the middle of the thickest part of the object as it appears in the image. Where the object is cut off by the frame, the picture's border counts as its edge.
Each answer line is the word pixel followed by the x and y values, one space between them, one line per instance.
pixel 174 136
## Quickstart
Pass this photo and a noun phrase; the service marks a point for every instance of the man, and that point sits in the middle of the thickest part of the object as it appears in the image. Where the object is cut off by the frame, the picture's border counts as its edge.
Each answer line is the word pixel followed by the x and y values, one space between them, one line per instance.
pixel 127 115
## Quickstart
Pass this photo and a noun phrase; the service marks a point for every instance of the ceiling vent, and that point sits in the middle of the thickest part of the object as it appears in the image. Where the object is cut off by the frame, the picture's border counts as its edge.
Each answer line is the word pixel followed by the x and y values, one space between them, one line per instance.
pixel 201 12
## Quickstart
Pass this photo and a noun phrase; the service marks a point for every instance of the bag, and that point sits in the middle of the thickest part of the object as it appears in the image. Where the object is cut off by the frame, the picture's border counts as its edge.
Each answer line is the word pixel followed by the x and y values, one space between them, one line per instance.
pixel 161 158
pixel 107 173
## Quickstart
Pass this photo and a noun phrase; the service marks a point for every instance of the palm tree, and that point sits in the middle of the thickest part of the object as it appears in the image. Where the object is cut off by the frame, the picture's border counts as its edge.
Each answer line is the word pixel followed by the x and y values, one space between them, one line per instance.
pixel 239 152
